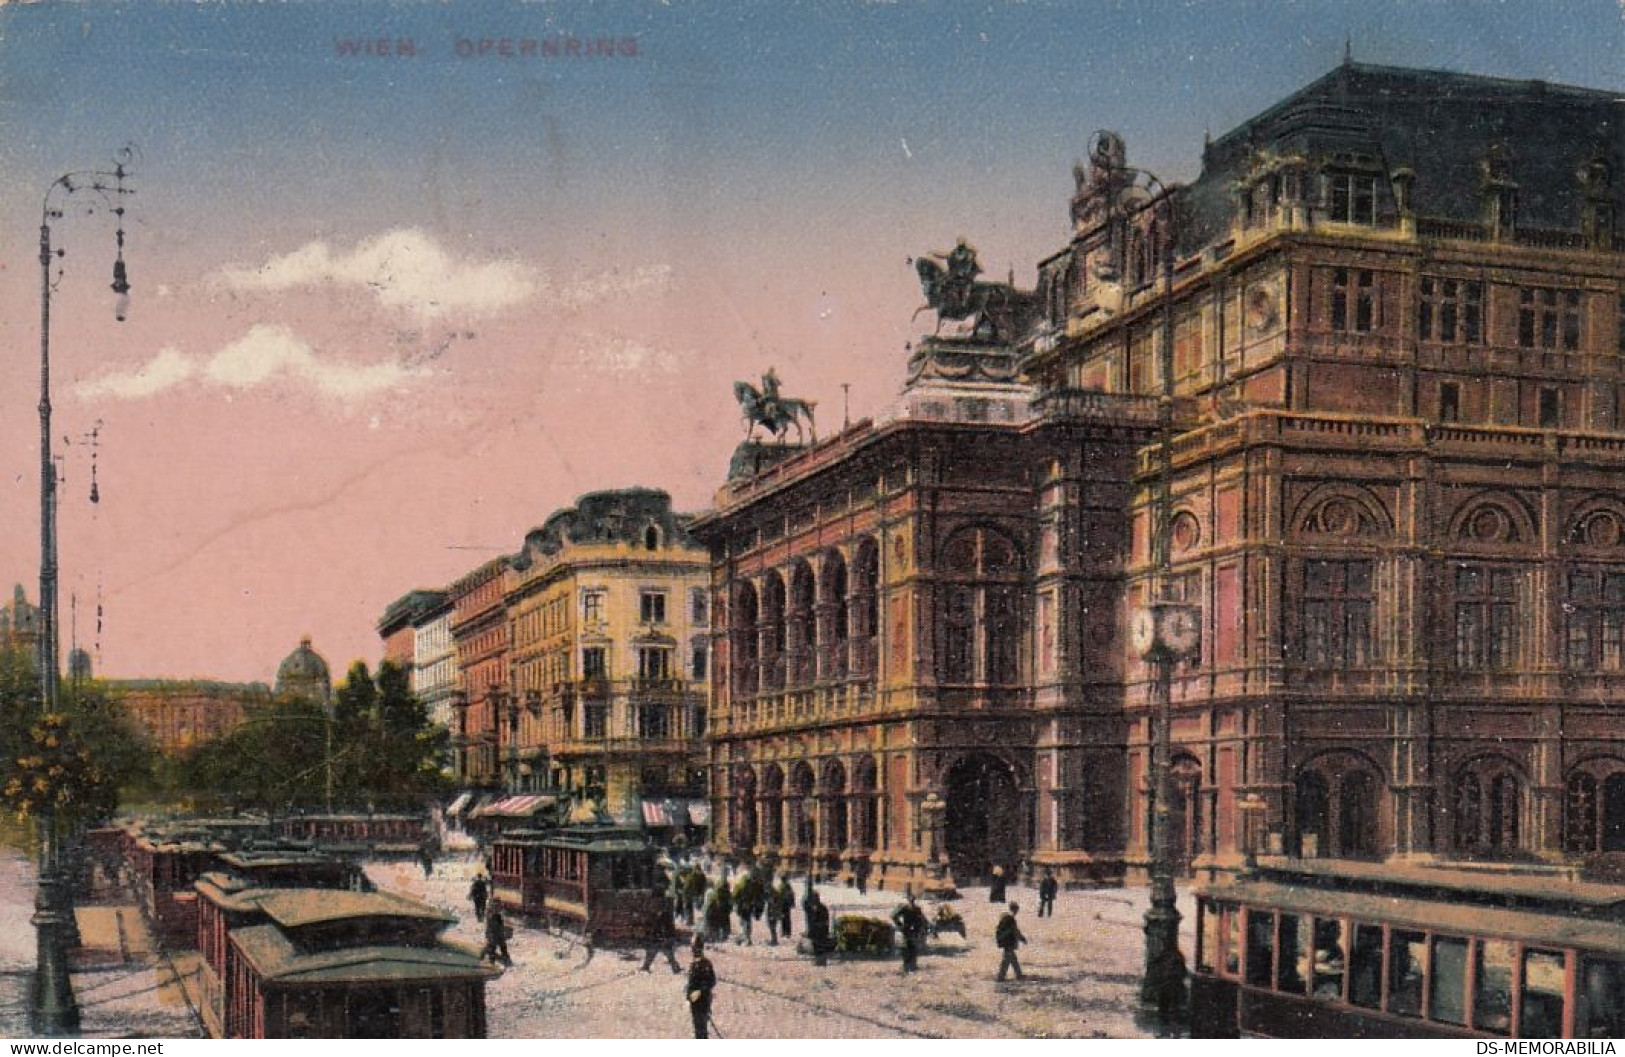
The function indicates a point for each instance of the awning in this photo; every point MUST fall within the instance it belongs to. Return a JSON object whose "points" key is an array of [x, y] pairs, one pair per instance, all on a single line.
{"points": [[672, 812], [457, 805], [516, 806]]}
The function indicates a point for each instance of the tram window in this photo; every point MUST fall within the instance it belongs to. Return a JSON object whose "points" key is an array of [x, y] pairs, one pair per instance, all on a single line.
{"points": [[1232, 941], [1292, 965], [1447, 983], [1207, 933], [1260, 946], [1406, 954], [1492, 997], [1540, 1015], [1602, 995], [1365, 967], [1330, 958]]}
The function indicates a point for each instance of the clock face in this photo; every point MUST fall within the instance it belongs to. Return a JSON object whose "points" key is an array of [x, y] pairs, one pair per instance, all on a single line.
{"points": [[1143, 631], [1184, 629]]}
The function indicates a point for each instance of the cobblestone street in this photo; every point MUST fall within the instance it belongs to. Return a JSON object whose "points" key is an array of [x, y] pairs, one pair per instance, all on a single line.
{"points": [[1082, 975]]}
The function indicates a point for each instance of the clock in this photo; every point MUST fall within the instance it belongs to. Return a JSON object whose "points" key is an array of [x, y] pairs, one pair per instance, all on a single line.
{"points": [[1166, 630]]}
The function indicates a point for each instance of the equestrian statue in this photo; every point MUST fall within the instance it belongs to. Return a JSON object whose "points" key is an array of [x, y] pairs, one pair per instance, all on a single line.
{"points": [[775, 413], [988, 310]]}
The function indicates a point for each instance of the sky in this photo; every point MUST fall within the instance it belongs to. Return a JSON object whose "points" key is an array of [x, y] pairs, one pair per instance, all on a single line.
{"points": [[407, 277]]}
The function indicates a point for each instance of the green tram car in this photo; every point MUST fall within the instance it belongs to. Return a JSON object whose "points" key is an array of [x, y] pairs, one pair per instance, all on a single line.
{"points": [[1339, 949], [599, 881]]}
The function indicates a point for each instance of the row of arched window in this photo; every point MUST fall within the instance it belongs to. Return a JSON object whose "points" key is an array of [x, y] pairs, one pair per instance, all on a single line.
{"points": [[820, 626], [836, 810]]}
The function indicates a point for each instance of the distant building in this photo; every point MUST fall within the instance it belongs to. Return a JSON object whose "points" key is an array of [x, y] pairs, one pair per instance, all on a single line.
{"points": [[434, 660], [397, 627], [19, 622], [178, 714], [304, 674], [479, 631]]}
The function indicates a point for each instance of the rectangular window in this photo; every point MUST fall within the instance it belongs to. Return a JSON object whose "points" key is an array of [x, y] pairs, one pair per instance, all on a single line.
{"points": [[593, 663], [1407, 954], [1335, 614], [1550, 409], [1601, 993], [1492, 990], [1260, 947], [654, 721], [1292, 963], [1208, 936], [654, 663], [1232, 941], [652, 607], [1540, 1012], [1450, 311], [1353, 299], [1449, 402], [596, 718], [1365, 967], [1548, 318], [1352, 198], [592, 607], [1330, 959], [1595, 612], [1486, 617], [1447, 981], [699, 660], [699, 606]]}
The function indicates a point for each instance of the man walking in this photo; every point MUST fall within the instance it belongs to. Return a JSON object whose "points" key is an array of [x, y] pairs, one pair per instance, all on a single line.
{"points": [[496, 937], [784, 903], [1007, 934], [911, 923], [817, 927], [478, 893], [1046, 894], [702, 980], [995, 891], [662, 938]]}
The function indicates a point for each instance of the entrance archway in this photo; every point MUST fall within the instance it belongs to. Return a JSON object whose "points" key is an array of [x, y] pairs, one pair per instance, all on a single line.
{"points": [[984, 822]]}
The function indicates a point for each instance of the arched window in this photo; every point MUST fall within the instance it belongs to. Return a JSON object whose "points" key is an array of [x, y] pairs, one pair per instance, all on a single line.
{"points": [[1488, 809], [1336, 800], [775, 634], [980, 610], [833, 639], [773, 806], [866, 609], [746, 642], [802, 625], [651, 538]]}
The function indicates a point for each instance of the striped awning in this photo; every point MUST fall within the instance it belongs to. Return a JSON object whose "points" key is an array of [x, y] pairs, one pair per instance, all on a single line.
{"points": [[522, 806], [671, 812]]}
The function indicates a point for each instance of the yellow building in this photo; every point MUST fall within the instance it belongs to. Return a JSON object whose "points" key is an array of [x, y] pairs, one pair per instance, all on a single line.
{"points": [[609, 628]]}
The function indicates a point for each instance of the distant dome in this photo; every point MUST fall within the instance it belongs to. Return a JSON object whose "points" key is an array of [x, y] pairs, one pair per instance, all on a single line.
{"points": [[79, 667], [303, 673]]}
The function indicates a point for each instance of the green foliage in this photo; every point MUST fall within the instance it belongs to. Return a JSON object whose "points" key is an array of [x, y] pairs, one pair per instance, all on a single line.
{"points": [[385, 753]]}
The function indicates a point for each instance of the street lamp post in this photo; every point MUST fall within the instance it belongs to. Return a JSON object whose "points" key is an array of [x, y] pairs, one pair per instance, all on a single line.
{"points": [[1165, 631], [53, 1009]]}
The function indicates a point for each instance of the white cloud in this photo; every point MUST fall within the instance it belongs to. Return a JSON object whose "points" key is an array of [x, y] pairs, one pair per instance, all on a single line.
{"points": [[404, 269], [623, 356], [612, 284], [166, 370], [265, 354]]}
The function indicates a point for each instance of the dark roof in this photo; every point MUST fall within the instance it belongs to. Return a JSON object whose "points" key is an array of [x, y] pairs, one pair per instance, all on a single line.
{"points": [[1440, 125], [618, 516], [271, 953], [294, 908], [408, 609]]}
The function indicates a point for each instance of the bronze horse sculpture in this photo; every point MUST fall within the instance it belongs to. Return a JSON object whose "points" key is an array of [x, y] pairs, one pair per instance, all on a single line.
{"points": [[952, 289], [774, 412]]}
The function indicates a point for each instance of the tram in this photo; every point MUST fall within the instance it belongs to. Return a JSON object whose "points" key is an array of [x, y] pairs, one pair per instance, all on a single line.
{"points": [[1338, 949], [599, 881], [374, 836]]}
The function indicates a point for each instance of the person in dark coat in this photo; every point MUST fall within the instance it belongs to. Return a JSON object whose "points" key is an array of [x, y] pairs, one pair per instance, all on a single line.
{"points": [[694, 886], [911, 924], [426, 860], [496, 937], [1007, 934], [817, 927], [662, 938], [718, 912], [860, 876], [1046, 894], [702, 980], [478, 893], [784, 903], [995, 894]]}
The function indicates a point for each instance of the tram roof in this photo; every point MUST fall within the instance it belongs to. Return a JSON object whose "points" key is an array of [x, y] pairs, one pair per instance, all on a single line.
{"points": [[1556, 930], [276, 958], [1480, 882]]}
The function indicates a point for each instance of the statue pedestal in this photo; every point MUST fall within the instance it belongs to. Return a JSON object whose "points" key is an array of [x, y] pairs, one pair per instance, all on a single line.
{"points": [[754, 456]]}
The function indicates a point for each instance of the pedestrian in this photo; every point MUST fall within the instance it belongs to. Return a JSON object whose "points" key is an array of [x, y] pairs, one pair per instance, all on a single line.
{"points": [[478, 893], [995, 894], [702, 980], [662, 938], [748, 902], [694, 889], [784, 903], [1007, 934], [911, 923], [426, 860], [719, 913], [860, 876], [496, 937], [817, 927], [1046, 894]]}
